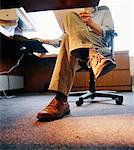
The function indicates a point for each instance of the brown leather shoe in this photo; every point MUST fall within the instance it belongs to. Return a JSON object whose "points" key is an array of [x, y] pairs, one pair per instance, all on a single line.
{"points": [[55, 110], [100, 64]]}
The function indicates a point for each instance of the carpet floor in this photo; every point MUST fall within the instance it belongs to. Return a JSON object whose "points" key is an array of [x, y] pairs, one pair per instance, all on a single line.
{"points": [[98, 125]]}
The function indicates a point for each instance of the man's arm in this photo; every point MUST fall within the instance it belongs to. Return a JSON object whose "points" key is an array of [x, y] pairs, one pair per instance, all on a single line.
{"points": [[87, 19], [95, 27], [108, 23], [55, 42]]}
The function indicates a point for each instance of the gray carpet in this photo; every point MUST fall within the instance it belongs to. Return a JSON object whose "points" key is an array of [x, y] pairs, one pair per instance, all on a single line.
{"points": [[100, 125]]}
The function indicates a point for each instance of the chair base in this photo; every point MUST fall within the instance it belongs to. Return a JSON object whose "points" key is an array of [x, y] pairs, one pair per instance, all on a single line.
{"points": [[118, 98]]}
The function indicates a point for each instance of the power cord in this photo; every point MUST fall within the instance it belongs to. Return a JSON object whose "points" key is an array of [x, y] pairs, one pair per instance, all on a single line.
{"points": [[17, 64], [7, 72]]}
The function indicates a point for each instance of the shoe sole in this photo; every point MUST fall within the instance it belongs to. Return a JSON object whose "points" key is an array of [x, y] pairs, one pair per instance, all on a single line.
{"points": [[107, 68], [52, 119]]}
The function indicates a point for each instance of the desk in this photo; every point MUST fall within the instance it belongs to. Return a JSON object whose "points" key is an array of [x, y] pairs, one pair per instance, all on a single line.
{"points": [[38, 75], [38, 72]]}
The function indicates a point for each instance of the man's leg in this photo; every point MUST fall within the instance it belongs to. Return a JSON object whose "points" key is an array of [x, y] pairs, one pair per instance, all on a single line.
{"points": [[61, 83], [64, 71], [81, 39]]}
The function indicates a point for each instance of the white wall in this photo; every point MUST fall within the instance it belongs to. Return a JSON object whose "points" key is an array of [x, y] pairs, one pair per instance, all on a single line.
{"points": [[123, 14]]}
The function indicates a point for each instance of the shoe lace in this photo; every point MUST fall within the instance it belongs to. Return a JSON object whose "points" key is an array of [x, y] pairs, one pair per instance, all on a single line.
{"points": [[98, 57], [53, 104]]}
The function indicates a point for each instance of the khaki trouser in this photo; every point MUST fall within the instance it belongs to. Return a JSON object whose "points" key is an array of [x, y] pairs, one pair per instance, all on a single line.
{"points": [[77, 38]]}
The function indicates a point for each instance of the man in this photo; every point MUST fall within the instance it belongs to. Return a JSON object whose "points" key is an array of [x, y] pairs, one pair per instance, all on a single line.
{"points": [[84, 34]]}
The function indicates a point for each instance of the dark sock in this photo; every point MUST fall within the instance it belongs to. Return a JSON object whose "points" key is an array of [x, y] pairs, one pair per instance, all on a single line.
{"points": [[60, 96]]}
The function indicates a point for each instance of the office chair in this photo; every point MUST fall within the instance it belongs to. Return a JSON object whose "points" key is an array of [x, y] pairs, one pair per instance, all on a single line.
{"points": [[92, 93]]}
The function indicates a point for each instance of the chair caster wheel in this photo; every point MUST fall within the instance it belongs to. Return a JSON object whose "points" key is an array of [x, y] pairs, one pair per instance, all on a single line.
{"points": [[92, 97], [79, 102], [119, 100]]}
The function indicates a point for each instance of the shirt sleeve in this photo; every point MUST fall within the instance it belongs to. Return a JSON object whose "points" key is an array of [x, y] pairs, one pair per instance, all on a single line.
{"points": [[107, 23]]}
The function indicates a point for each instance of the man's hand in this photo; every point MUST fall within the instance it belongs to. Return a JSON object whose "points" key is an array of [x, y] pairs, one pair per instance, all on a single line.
{"points": [[86, 17], [45, 41]]}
